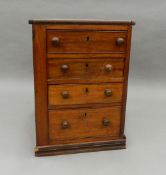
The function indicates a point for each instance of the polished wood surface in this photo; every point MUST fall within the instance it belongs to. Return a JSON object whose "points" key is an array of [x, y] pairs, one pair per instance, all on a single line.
{"points": [[39, 60], [84, 94], [85, 42], [92, 145], [81, 76], [80, 21], [83, 123], [85, 70]]}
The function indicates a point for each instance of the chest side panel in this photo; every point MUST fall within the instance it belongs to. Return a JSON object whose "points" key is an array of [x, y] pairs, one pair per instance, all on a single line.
{"points": [[40, 77]]}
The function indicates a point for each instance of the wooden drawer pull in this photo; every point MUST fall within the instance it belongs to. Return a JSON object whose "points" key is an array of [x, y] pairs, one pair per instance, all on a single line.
{"points": [[64, 67], [106, 122], [55, 41], [108, 67], [65, 94], [108, 92], [120, 41], [65, 124]]}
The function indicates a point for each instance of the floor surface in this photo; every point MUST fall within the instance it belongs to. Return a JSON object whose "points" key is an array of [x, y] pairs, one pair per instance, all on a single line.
{"points": [[145, 131]]}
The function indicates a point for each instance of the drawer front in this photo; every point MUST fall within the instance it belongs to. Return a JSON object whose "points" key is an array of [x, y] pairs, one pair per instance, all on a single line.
{"points": [[87, 70], [75, 124], [84, 94], [86, 42]]}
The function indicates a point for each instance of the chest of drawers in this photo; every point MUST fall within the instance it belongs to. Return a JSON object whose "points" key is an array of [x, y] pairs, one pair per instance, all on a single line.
{"points": [[81, 73]]}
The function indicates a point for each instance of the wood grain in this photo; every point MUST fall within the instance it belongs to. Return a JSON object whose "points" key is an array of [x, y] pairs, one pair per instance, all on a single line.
{"points": [[83, 123], [83, 108], [77, 42], [113, 55], [80, 21], [126, 72], [49, 150], [39, 60], [78, 94], [84, 70], [86, 27]]}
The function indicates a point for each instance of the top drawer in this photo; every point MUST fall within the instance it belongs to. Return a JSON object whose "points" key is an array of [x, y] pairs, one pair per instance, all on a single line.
{"points": [[61, 41]]}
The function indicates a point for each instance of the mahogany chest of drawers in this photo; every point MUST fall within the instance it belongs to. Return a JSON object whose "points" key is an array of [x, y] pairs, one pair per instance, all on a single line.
{"points": [[81, 73]]}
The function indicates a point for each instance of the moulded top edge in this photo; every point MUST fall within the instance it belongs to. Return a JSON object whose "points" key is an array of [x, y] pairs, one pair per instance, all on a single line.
{"points": [[81, 21]]}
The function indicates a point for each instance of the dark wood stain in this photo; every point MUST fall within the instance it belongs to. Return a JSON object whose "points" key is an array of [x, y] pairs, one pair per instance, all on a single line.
{"points": [[83, 22], [80, 77]]}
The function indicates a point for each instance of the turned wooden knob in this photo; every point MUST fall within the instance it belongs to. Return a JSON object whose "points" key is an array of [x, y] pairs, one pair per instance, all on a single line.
{"points": [[65, 124], [55, 41], [64, 67], [120, 41], [106, 122], [108, 92], [65, 94], [108, 67]]}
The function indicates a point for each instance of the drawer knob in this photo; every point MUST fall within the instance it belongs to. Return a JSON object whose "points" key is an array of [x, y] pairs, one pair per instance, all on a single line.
{"points": [[55, 41], [108, 67], [108, 92], [106, 122], [65, 124], [120, 41], [65, 94], [64, 67]]}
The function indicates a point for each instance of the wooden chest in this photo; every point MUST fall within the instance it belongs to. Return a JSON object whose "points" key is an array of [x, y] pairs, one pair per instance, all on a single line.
{"points": [[81, 73]]}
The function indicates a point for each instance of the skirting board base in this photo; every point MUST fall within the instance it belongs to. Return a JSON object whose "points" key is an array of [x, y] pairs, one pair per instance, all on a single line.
{"points": [[51, 150]]}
